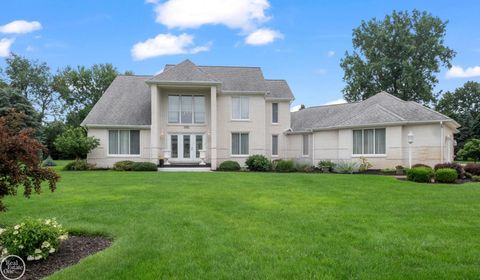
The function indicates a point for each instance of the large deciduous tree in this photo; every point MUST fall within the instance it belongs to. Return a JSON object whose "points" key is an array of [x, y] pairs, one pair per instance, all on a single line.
{"points": [[400, 54], [82, 87], [20, 160], [34, 81], [463, 105]]}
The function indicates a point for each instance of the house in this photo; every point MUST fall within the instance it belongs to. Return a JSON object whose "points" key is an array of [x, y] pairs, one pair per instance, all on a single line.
{"points": [[209, 114]]}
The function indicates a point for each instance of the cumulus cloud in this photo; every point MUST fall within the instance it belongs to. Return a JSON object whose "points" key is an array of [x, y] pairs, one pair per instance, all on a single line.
{"points": [[295, 108], [263, 36], [20, 27], [336, 101], [459, 72], [166, 44], [235, 14], [5, 45]]}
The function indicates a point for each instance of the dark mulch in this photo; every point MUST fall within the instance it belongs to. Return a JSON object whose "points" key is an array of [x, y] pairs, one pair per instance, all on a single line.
{"points": [[70, 252]]}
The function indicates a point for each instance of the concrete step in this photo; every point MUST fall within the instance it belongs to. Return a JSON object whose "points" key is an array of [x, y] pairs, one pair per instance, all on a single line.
{"points": [[184, 169]]}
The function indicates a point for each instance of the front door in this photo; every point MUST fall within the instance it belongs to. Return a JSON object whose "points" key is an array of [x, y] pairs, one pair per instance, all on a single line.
{"points": [[186, 147]]}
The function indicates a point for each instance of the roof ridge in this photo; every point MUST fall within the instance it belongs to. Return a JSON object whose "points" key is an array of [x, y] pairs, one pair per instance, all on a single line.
{"points": [[135, 75], [331, 105], [390, 112], [430, 109], [278, 80]]}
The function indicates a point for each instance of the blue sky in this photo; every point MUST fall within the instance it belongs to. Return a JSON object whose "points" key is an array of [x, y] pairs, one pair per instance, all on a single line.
{"points": [[300, 41]]}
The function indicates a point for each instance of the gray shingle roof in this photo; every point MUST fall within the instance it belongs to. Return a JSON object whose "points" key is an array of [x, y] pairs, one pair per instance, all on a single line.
{"points": [[278, 89], [127, 99], [381, 108], [233, 78], [185, 71], [125, 102]]}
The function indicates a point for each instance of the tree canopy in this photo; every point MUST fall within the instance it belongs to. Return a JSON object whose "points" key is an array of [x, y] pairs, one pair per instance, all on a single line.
{"points": [[400, 54], [75, 142], [463, 105], [20, 159], [12, 99]]}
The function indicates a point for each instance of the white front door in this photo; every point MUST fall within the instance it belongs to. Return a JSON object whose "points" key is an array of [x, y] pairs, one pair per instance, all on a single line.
{"points": [[186, 147]]}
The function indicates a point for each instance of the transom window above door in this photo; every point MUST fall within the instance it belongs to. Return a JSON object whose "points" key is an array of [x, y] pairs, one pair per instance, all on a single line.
{"points": [[186, 109]]}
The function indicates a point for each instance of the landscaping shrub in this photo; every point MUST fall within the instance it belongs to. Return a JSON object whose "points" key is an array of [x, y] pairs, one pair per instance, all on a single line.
{"points": [[33, 239], [258, 163], [446, 175], [399, 170], [420, 174], [284, 166], [388, 171], [472, 168], [144, 166], [453, 165], [124, 165], [326, 165], [364, 164], [476, 178], [348, 167], [303, 167], [78, 165], [229, 165], [48, 162], [421, 165]]}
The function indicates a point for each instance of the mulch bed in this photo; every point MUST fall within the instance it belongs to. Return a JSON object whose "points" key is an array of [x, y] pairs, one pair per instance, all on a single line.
{"points": [[70, 252]]}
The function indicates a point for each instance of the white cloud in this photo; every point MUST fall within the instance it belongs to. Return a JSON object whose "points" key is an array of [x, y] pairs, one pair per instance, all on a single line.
{"points": [[235, 14], [263, 36], [459, 72], [20, 27], [337, 101], [330, 53], [5, 45], [166, 44]]}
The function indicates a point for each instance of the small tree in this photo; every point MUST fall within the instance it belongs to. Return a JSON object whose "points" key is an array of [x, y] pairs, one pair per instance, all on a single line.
{"points": [[471, 150], [20, 160], [75, 142]]}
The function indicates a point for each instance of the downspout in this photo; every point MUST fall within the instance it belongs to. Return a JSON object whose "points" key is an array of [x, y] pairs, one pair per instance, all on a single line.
{"points": [[441, 142], [313, 148]]}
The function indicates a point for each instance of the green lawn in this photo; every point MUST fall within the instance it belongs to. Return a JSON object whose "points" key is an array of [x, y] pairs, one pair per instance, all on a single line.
{"points": [[264, 226]]}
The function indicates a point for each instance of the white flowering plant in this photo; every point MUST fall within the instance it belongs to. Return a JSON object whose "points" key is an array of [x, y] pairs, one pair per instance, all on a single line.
{"points": [[32, 239]]}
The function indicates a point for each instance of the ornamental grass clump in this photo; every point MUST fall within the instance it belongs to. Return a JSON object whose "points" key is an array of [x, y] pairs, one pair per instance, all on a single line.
{"points": [[32, 239]]}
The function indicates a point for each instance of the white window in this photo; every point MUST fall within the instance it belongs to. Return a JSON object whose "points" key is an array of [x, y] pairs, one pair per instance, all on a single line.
{"points": [[239, 143], [124, 142], [369, 141], [305, 145], [274, 145], [186, 109], [274, 112], [240, 110]]}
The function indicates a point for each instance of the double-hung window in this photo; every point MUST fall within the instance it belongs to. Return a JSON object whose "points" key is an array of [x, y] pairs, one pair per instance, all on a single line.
{"points": [[240, 108], [369, 141], [186, 109], [274, 145], [239, 143], [274, 112], [305, 147], [124, 142]]}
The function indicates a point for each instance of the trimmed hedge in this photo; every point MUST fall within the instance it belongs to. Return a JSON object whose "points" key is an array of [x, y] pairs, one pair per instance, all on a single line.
{"points": [[421, 165], [144, 166], [473, 168], [229, 165], [446, 175], [258, 163], [124, 165], [452, 165], [78, 165], [285, 166], [420, 174]]}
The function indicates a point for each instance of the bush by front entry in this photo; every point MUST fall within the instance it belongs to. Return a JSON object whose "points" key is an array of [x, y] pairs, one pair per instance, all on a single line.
{"points": [[229, 165], [127, 165]]}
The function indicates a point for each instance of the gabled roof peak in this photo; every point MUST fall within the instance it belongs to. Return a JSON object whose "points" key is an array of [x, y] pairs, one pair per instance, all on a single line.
{"points": [[186, 71]]}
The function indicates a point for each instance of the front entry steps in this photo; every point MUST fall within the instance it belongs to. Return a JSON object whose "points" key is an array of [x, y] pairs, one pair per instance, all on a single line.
{"points": [[185, 167]]}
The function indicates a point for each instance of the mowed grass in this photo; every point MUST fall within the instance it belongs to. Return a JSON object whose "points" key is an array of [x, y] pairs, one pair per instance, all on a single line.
{"points": [[264, 225]]}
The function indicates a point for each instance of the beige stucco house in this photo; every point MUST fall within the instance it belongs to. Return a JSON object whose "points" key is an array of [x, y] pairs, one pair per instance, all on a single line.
{"points": [[191, 114]]}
